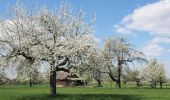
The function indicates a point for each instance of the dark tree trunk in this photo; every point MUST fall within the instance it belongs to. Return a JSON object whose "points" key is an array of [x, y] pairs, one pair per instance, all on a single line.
{"points": [[99, 83], [137, 83], [53, 83], [155, 85], [30, 82], [113, 79], [161, 85], [160, 81], [119, 75]]}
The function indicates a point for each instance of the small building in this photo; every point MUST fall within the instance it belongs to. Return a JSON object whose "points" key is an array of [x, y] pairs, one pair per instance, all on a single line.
{"points": [[67, 79]]}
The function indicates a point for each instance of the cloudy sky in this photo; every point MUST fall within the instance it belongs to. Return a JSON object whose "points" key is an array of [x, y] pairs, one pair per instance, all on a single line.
{"points": [[146, 23]]}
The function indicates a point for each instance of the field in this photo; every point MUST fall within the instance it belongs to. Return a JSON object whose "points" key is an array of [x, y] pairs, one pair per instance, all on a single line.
{"points": [[81, 93]]}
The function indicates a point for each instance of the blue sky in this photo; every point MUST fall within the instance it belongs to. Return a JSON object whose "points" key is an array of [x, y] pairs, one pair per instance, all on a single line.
{"points": [[108, 12], [144, 22]]}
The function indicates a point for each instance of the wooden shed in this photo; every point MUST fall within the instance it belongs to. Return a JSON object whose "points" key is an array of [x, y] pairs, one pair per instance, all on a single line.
{"points": [[67, 79]]}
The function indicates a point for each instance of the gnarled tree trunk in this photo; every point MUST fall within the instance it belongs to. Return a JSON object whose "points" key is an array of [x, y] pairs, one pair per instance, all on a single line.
{"points": [[113, 79], [52, 79], [53, 83]]}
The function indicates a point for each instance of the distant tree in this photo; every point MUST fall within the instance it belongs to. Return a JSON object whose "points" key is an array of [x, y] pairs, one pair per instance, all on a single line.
{"points": [[27, 71], [96, 66], [126, 77], [133, 76], [118, 53], [154, 73], [3, 76], [91, 64]]}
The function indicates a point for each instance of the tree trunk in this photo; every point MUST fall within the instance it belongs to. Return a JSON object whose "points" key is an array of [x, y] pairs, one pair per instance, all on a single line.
{"points": [[160, 81], [137, 83], [113, 79], [124, 82], [99, 83], [53, 83], [161, 85], [119, 75], [155, 85], [30, 82]]}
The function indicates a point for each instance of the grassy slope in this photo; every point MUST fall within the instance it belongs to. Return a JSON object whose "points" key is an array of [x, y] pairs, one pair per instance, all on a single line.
{"points": [[41, 93]]}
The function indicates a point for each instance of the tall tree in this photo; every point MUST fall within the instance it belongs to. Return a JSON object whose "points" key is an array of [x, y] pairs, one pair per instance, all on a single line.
{"points": [[118, 53], [58, 37], [16, 37], [66, 36]]}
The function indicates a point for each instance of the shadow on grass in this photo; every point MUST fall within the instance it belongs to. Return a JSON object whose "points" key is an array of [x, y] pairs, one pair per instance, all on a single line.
{"points": [[81, 97]]}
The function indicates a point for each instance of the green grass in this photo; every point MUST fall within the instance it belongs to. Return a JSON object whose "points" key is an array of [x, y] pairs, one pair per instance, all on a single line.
{"points": [[80, 93]]}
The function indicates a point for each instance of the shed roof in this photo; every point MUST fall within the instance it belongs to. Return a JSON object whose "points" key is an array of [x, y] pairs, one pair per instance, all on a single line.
{"points": [[62, 75]]}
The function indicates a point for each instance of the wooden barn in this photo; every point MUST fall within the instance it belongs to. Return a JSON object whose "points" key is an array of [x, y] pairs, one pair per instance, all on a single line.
{"points": [[67, 79]]}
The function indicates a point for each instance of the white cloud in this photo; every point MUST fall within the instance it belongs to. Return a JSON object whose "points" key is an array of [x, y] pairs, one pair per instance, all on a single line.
{"points": [[152, 18], [161, 40], [153, 50], [122, 30]]}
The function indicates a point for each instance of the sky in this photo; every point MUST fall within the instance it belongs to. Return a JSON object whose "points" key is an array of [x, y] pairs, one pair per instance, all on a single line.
{"points": [[145, 23]]}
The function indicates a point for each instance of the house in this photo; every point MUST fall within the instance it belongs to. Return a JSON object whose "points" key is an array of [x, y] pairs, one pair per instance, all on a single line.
{"points": [[67, 79]]}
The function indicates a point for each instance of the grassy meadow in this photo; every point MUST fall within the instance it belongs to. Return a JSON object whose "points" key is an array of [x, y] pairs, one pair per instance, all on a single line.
{"points": [[41, 92]]}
